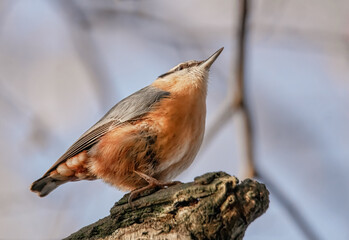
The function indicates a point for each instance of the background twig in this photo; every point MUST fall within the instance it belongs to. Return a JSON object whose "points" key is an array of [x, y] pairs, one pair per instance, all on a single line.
{"points": [[240, 96], [237, 103]]}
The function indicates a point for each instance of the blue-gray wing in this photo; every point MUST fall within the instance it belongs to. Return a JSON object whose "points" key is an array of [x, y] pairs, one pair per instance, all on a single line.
{"points": [[130, 108]]}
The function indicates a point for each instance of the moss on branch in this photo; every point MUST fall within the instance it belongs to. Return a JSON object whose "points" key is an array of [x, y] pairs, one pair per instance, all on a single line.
{"points": [[213, 206]]}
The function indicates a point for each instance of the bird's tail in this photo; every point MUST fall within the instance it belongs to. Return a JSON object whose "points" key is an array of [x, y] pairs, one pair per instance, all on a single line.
{"points": [[45, 185]]}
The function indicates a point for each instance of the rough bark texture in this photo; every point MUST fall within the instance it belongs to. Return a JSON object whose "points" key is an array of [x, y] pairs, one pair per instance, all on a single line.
{"points": [[214, 206]]}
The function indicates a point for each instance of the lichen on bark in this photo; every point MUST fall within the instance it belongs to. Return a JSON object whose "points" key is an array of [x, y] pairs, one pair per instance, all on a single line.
{"points": [[213, 206]]}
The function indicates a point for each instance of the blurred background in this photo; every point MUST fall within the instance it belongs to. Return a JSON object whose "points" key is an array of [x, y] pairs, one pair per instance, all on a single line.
{"points": [[63, 64]]}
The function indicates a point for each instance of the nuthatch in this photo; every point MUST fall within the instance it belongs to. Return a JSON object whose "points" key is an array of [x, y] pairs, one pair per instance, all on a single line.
{"points": [[145, 140]]}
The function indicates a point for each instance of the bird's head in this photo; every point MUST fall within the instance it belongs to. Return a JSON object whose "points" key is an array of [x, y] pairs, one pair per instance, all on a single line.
{"points": [[190, 73]]}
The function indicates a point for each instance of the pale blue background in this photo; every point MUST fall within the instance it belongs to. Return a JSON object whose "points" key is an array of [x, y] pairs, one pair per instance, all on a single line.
{"points": [[298, 89]]}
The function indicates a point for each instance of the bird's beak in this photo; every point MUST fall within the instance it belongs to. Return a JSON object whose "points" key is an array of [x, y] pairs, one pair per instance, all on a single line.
{"points": [[206, 64]]}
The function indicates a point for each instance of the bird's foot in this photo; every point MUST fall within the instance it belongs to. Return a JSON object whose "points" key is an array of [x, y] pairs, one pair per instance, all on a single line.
{"points": [[152, 184]]}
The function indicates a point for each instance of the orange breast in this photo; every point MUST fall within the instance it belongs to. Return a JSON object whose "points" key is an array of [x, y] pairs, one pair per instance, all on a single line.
{"points": [[161, 145], [182, 124]]}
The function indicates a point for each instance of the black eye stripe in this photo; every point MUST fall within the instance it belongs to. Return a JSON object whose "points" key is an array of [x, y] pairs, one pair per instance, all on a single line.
{"points": [[181, 67], [187, 65]]}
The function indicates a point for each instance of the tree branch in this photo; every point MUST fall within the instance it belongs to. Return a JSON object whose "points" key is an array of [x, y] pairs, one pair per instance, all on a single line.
{"points": [[214, 206]]}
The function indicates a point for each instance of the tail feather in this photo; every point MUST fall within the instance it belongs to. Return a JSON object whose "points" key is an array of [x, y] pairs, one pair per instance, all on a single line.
{"points": [[45, 185]]}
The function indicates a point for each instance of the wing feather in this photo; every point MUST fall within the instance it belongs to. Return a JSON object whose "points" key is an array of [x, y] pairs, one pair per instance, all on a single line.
{"points": [[128, 109]]}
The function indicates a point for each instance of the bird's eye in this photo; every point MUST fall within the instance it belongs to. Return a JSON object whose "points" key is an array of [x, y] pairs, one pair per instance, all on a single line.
{"points": [[180, 68]]}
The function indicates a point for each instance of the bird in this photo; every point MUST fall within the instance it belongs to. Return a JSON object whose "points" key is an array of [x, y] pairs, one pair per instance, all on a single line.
{"points": [[145, 140]]}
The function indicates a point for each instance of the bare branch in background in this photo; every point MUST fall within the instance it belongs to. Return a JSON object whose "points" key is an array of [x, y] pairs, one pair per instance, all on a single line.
{"points": [[80, 28], [240, 95], [237, 103]]}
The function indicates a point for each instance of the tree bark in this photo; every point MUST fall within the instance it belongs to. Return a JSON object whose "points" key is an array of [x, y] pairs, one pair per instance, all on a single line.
{"points": [[214, 206]]}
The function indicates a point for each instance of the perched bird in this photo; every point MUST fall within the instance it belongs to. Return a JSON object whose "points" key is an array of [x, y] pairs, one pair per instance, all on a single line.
{"points": [[145, 140]]}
